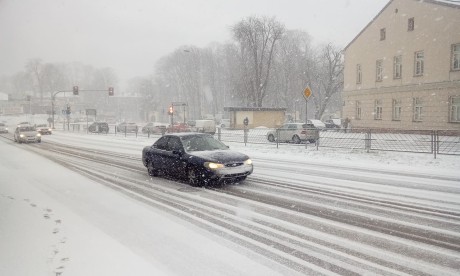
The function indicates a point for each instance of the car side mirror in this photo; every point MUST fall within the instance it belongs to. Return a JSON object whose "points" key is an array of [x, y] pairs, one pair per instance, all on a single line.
{"points": [[177, 152]]}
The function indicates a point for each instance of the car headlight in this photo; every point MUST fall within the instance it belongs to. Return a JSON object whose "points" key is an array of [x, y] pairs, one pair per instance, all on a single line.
{"points": [[248, 162], [213, 166], [38, 135], [21, 135], [49, 129]]}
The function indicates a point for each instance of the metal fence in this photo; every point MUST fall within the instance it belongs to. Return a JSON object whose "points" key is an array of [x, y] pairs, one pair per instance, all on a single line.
{"points": [[419, 141]]}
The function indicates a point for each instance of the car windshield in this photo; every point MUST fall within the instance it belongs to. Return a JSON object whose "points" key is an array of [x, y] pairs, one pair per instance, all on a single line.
{"points": [[202, 143], [27, 128]]}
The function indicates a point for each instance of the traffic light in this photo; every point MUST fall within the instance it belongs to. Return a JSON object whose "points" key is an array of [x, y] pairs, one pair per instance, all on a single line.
{"points": [[110, 91], [68, 110], [170, 110], [75, 90]]}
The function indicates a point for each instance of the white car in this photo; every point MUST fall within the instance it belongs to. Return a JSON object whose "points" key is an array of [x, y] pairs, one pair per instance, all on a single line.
{"points": [[317, 123], [294, 132], [26, 134]]}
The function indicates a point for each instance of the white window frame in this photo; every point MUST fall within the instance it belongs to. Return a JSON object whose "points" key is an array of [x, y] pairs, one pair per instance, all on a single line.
{"points": [[359, 74], [378, 109], [454, 105], [455, 57], [396, 110], [358, 110], [397, 67], [419, 63], [418, 109], [379, 70]]}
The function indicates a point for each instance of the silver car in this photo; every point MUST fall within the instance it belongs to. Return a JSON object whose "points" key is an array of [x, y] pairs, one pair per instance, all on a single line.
{"points": [[27, 134], [294, 132]]}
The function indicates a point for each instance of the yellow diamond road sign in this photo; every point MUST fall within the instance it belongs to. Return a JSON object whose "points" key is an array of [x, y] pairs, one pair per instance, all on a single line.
{"points": [[307, 92]]}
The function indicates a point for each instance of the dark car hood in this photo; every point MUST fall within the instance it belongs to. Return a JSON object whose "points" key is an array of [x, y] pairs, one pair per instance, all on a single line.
{"points": [[220, 156]]}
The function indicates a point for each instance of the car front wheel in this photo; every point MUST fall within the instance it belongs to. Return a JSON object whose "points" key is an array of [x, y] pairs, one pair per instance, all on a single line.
{"points": [[151, 169], [271, 138], [193, 177]]}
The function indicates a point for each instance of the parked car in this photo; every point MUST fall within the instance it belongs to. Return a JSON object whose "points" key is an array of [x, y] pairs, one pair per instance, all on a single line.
{"points": [[26, 134], [44, 129], [3, 128], [154, 127], [203, 126], [127, 127], [295, 133], [333, 124], [224, 123], [196, 157], [178, 127], [99, 127], [317, 123]]}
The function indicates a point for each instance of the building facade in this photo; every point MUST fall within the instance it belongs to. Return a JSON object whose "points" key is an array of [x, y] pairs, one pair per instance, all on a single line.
{"points": [[403, 70]]}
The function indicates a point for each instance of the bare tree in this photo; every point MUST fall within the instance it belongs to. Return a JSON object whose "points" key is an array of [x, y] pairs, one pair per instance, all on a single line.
{"points": [[329, 79], [35, 68], [257, 37]]}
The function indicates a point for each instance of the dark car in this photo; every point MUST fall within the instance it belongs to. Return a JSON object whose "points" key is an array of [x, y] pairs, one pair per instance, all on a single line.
{"points": [[196, 157], [44, 129], [99, 127]]}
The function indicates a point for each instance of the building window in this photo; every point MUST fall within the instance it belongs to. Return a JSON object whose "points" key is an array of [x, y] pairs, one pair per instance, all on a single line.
{"points": [[454, 109], [378, 110], [418, 109], [410, 24], [358, 110], [456, 56], [396, 110], [379, 70], [358, 73], [419, 63], [397, 67], [383, 34]]}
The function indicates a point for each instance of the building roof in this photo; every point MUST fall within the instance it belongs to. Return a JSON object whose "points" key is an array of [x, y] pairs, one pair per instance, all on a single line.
{"points": [[448, 3]]}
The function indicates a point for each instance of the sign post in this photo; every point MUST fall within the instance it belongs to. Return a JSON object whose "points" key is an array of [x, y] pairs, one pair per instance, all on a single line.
{"points": [[306, 94]]}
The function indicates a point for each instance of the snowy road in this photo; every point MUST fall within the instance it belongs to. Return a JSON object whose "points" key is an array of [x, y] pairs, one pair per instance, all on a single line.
{"points": [[308, 217]]}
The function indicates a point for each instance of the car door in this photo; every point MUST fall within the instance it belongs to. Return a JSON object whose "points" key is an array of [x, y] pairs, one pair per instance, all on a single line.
{"points": [[283, 133], [173, 157]]}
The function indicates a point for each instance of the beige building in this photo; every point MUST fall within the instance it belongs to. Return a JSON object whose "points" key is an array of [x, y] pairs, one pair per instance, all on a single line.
{"points": [[403, 70]]}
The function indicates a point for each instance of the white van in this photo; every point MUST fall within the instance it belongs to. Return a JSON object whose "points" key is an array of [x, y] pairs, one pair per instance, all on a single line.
{"points": [[204, 126]]}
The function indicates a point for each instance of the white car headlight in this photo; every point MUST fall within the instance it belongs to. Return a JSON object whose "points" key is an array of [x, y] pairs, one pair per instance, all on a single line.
{"points": [[248, 162], [213, 166], [38, 135], [21, 135]]}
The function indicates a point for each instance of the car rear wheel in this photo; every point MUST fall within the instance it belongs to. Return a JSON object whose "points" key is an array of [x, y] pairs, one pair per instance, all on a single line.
{"points": [[151, 169], [312, 141], [271, 138], [296, 139]]}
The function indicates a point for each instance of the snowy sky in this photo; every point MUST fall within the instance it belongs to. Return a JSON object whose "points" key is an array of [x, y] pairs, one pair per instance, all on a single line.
{"points": [[130, 36]]}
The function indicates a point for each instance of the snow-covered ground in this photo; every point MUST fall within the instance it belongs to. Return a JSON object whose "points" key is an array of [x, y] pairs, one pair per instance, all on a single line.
{"points": [[53, 220]]}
